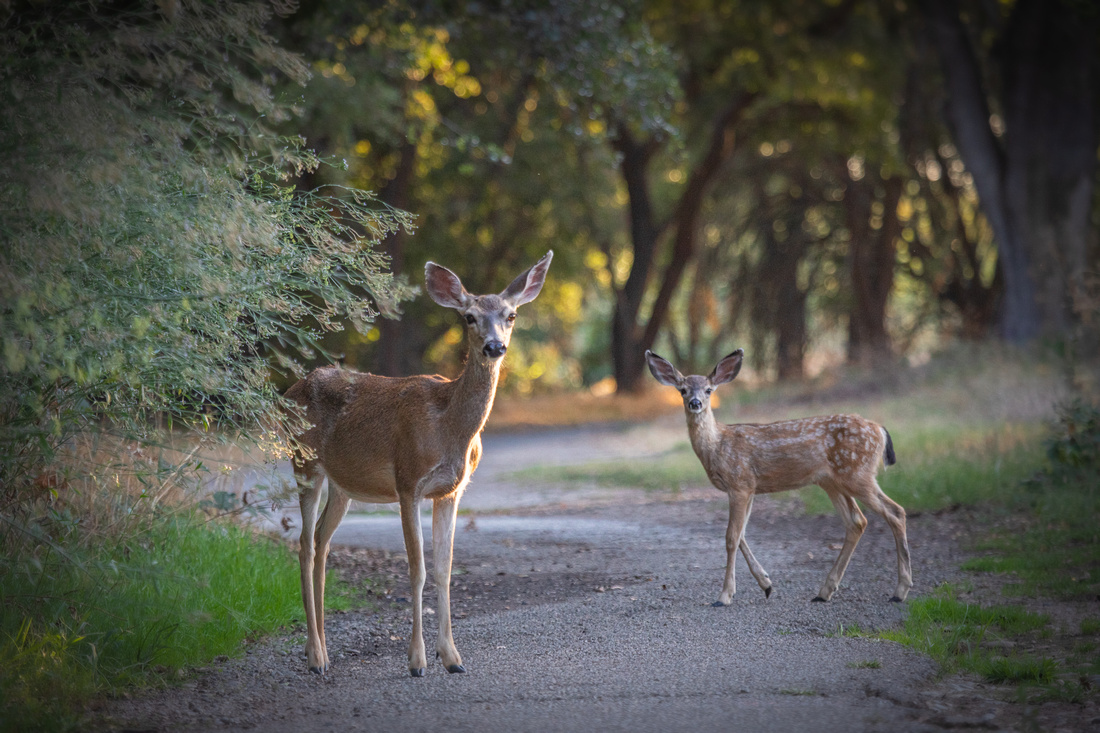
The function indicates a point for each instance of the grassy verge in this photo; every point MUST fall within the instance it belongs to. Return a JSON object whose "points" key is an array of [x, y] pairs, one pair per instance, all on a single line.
{"points": [[79, 619], [1003, 644]]}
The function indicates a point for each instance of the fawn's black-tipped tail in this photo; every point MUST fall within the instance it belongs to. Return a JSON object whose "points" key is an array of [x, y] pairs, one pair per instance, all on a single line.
{"points": [[888, 455]]}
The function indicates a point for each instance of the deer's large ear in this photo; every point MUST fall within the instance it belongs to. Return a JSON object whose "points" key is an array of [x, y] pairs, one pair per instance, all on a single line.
{"points": [[663, 371], [528, 285], [445, 287], [727, 369]]}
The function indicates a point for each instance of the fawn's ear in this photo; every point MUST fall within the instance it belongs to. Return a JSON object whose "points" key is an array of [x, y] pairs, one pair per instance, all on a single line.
{"points": [[445, 287], [663, 371], [727, 369], [528, 285]]}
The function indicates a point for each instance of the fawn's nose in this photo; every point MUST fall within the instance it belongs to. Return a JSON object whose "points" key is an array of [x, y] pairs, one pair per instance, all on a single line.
{"points": [[695, 403], [494, 349]]}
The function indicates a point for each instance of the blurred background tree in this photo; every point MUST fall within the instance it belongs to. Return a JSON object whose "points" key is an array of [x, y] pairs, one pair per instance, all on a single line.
{"points": [[793, 176]]}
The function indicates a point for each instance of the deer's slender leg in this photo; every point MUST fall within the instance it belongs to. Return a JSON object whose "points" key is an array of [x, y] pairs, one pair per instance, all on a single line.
{"points": [[755, 568], [894, 515], [444, 514], [335, 509], [414, 548], [740, 503], [309, 487], [854, 524]]}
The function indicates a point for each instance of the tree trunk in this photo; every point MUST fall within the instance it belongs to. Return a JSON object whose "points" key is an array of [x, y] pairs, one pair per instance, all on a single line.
{"points": [[1036, 192], [1050, 68], [399, 346], [871, 255]]}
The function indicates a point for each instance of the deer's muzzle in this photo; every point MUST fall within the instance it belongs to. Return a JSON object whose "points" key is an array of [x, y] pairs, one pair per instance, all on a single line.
{"points": [[494, 349]]}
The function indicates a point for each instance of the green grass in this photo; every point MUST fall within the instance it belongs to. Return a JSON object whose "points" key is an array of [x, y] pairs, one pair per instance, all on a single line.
{"points": [[677, 467], [865, 664], [992, 642], [78, 621]]}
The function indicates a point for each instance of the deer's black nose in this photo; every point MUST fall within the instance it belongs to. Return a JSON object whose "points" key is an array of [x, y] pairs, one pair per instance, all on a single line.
{"points": [[695, 404], [494, 349]]}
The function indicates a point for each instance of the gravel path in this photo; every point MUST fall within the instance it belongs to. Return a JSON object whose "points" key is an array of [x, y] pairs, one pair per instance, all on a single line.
{"points": [[590, 610]]}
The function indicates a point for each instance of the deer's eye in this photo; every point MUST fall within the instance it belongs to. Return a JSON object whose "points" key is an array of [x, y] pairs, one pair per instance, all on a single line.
{"points": [[470, 319], [683, 390], [512, 318], [709, 391]]}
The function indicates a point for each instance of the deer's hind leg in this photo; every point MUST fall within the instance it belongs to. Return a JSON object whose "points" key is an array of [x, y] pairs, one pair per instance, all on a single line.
{"points": [[310, 478], [854, 524], [894, 514], [335, 509]]}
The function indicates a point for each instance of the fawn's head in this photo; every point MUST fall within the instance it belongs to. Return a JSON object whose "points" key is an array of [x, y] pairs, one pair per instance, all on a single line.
{"points": [[489, 318], [695, 389]]}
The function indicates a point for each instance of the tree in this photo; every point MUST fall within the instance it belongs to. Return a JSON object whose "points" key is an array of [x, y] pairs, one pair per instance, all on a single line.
{"points": [[156, 265], [1022, 107]]}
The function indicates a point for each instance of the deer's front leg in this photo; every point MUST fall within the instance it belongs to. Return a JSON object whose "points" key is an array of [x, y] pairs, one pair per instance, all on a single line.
{"points": [[414, 548], [755, 567], [735, 532], [444, 512]]}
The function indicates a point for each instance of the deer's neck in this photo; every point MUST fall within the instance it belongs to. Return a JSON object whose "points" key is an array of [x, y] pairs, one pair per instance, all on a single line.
{"points": [[472, 398], [704, 431]]}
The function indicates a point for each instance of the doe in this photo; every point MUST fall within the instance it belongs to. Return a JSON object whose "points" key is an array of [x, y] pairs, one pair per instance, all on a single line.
{"points": [[839, 453], [406, 439]]}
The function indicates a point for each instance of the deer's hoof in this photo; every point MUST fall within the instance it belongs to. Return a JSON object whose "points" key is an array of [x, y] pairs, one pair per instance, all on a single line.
{"points": [[418, 672], [317, 670], [895, 599], [456, 669], [767, 593], [817, 599], [719, 604]]}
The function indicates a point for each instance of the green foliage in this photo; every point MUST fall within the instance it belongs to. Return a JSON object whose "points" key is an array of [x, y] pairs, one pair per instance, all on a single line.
{"points": [[153, 260], [1059, 553], [78, 618], [155, 265]]}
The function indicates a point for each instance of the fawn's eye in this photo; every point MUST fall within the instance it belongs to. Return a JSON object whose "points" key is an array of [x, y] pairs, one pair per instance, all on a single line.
{"points": [[512, 318], [683, 390], [709, 391], [470, 319]]}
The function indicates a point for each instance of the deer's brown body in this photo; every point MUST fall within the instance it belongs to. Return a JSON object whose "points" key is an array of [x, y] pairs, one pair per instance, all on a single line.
{"points": [[405, 439], [839, 453]]}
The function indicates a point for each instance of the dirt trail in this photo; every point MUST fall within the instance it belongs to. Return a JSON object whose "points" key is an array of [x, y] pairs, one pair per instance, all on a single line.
{"points": [[590, 609]]}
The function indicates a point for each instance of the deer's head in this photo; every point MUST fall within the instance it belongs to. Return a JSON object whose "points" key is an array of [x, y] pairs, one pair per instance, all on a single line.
{"points": [[489, 318], [695, 389]]}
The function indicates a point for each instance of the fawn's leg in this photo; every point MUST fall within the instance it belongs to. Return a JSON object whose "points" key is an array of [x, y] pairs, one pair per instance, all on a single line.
{"points": [[854, 524], [735, 532]]}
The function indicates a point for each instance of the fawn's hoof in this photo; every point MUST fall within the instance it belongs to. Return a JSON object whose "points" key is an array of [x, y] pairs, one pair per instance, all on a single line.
{"points": [[456, 669], [817, 599], [317, 670], [895, 599], [418, 672], [767, 593], [719, 604]]}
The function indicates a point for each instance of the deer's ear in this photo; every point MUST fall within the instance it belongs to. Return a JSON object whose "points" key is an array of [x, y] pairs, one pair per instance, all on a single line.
{"points": [[528, 285], [663, 371], [727, 369], [444, 287]]}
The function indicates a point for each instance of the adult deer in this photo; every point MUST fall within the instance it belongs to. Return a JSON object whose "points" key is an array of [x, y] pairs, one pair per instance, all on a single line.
{"points": [[839, 453], [406, 439]]}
